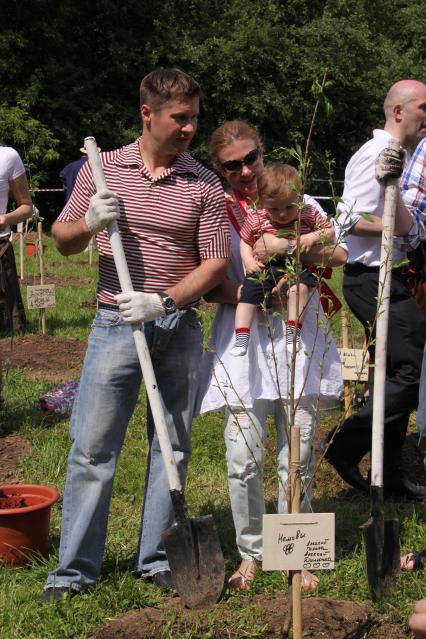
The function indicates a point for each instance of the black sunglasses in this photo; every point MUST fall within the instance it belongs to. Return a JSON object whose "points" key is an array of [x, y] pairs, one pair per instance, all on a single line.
{"points": [[237, 165]]}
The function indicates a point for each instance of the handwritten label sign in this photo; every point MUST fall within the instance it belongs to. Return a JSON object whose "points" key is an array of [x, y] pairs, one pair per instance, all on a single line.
{"points": [[41, 296], [298, 541], [354, 364]]}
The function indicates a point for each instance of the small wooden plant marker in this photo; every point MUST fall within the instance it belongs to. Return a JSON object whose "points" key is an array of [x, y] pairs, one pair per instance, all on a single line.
{"points": [[298, 541], [354, 365], [41, 296]]}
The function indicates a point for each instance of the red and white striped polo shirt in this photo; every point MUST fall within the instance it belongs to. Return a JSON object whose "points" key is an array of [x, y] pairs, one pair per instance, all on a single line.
{"points": [[312, 218], [167, 225]]}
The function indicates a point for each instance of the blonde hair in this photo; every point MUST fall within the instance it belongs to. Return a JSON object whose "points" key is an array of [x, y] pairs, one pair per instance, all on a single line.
{"points": [[278, 181], [229, 132]]}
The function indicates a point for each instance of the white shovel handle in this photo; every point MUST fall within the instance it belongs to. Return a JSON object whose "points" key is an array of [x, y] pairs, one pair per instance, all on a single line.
{"points": [[382, 321], [138, 334]]}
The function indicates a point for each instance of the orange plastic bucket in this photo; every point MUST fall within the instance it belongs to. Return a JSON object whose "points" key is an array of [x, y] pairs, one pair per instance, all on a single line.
{"points": [[31, 248], [24, 521]]}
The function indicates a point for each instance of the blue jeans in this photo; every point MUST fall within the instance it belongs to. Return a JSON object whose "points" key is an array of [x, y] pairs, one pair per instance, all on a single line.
{"points": [[421, 410], [108, 393]]}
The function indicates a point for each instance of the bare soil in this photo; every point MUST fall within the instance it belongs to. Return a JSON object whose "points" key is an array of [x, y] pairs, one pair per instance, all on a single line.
{"points": [[12, 448], [322, 618], [12, 500], [43, 356], [51, 278]]}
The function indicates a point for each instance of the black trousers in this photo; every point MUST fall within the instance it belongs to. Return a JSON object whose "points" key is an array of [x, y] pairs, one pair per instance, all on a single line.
{"points": [[406, 340], [12, 313]]}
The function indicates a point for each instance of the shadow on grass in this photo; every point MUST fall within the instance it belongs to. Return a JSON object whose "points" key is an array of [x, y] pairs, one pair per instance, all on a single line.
{"points": [[13, 419]]}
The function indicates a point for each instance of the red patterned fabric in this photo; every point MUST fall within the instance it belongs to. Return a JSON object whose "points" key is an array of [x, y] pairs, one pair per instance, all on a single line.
{"points": [[168, 225]]}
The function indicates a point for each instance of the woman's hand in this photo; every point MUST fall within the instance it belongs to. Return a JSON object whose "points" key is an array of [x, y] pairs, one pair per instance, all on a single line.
{"points": [[269, 245]]}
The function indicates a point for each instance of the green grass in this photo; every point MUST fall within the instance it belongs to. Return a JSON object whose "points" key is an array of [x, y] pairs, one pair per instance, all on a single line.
{"points": [[118, 590], [70, 318]]}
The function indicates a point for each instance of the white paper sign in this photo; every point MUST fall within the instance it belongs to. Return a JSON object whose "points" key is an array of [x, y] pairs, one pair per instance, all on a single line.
{"points": [[41, 296], [20, 227], [354, 364], [298, 541]]}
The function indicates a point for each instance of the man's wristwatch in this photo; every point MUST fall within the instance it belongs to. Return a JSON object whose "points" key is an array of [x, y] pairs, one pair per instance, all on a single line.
{"points": [[289, 249], [168, 302]]}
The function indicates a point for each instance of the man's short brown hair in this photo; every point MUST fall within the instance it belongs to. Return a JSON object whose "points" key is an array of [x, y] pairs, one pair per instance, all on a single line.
{"points": [[162, 85], [278, 181]]}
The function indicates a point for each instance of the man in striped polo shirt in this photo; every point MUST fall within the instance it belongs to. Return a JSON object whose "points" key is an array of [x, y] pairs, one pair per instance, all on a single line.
{"points": [[174, 227]]}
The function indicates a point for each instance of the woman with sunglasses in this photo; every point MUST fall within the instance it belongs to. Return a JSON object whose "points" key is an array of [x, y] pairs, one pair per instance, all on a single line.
{"points": [[251, 387]]}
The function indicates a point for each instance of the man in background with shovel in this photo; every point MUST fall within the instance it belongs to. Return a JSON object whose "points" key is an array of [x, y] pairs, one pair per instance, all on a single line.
{"points": [[405, 112], [174, 229]]}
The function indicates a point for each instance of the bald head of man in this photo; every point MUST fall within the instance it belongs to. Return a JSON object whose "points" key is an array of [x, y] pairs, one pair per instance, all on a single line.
{"points": [[405, 111]]}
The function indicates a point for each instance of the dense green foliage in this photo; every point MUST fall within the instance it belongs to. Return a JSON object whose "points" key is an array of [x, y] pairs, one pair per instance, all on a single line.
{"points": [[72, 68]]}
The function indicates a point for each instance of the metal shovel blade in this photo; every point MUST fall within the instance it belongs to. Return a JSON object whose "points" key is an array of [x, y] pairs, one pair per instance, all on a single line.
{"points": [[195, 558], [382, 548]]}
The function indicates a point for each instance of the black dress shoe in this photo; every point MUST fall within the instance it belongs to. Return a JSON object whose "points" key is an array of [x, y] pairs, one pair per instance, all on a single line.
{"points": [[163, 579], [60, 593], [347, 471], [403, 487]]}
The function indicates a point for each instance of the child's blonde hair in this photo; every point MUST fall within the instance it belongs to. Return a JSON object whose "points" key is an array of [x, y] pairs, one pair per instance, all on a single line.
{"points": [[278, 181]]}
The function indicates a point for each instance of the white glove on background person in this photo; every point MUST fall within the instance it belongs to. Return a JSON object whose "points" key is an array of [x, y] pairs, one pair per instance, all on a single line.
{"points": [[389, 164], [103, 209], [140, 307]]}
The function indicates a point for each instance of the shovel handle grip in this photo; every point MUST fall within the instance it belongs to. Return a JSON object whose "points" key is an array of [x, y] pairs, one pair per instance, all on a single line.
{"points": [[382, 322], [138, 334]]}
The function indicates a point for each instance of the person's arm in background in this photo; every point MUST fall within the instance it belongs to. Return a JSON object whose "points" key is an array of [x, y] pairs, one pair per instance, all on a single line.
{"points": [[24, 205]]}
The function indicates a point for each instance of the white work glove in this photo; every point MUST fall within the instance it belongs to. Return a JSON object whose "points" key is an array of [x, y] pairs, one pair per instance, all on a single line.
{"points": [[103, 209], [389, 164], [140, 307]]}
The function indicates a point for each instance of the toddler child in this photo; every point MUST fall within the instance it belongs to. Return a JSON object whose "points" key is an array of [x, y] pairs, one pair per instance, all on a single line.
{"points": [[279, 202]]}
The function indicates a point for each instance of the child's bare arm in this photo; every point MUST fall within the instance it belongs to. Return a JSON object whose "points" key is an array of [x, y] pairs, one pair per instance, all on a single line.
{"points": [[251, 264], [324, 235]]}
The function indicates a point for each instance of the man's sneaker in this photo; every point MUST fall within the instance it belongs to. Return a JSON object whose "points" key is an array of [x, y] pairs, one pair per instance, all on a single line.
{"points": [[58, 593], [164, 579]]}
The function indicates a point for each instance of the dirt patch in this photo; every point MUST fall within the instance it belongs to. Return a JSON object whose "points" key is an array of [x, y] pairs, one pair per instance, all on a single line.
{"points": [[11, 449], [51, 278], [91, 304], [32, 236], [44, 357], [11, 501], [322, 618]]}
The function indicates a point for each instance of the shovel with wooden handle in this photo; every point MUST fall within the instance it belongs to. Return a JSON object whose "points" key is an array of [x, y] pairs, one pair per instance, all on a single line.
{"points": [[192, 545], [382, 536]]}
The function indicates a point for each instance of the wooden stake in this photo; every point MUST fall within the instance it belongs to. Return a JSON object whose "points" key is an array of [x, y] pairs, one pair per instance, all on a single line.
{"points": [[296, 575], [347, 393], [21, 254], [41, 264]]}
